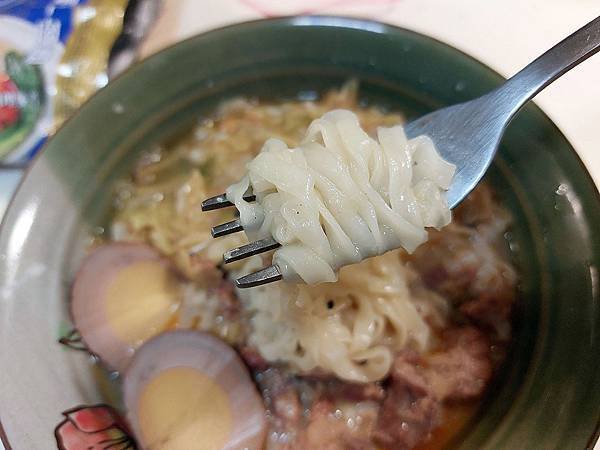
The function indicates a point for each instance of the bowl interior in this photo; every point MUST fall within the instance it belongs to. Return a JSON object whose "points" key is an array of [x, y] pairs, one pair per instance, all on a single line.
{"points": [[548, 393]]}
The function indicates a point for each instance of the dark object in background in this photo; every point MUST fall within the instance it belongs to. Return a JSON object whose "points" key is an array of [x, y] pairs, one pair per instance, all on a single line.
{"points": [[140, 15]]}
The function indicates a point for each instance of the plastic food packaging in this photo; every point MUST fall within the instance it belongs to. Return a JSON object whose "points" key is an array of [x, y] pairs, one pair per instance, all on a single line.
{"points": [[53, 56]]}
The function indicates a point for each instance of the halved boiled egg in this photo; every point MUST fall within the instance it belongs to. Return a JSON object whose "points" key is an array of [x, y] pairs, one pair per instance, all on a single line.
{"points": [[123, 295], [189, 390]]}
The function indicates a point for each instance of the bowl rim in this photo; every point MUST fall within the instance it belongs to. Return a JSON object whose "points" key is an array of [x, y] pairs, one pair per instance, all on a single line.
{"points": [[309, 20]]}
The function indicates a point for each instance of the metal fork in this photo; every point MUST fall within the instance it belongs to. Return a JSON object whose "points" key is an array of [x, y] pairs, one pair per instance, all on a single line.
{"points": [[467, 135]]}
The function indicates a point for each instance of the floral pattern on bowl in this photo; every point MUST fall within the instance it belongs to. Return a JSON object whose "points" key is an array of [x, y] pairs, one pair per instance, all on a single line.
{"points": [[97, 427]]}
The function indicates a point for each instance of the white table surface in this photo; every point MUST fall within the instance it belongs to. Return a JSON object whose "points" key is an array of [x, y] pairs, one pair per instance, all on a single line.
{"points": [[504, 34]]}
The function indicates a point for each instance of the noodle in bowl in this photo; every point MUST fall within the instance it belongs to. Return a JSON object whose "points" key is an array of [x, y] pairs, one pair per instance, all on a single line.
{"points": [[350, 328]]}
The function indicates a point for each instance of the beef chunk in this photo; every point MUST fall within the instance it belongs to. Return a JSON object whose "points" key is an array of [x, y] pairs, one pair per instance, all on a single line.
{"points": [[418, 386], [286, 407], [253, 358], [338, 419], [463, 369], [465, 269], [481, 211], [281, 396], [447, 263], [491, 310], [327, 431], [478, 208], [398, 416], [355, 392], [229, 304], [410, 410]]}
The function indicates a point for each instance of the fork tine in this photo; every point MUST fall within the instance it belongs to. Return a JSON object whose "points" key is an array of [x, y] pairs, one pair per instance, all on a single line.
{"points": [[226, 228], [220, 201], [263, 276], [253, 248]]}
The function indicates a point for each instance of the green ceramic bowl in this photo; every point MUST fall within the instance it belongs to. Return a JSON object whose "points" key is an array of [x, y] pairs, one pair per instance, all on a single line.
{"points": [[548, 395]]}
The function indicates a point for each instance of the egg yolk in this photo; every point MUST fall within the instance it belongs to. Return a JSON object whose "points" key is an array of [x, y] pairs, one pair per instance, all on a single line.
{"points": [[141, 300], [183, 409]]}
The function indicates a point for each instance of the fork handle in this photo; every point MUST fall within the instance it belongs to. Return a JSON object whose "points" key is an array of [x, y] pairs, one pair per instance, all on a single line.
{"points": [[561, 58]]}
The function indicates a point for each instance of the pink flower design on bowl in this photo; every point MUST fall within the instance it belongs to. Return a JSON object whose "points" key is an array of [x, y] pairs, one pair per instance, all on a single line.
{"points": [[96, 427]]}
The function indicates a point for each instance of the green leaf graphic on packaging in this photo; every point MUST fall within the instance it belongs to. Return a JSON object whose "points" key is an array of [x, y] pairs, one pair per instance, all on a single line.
{"points": [[21, 100]]}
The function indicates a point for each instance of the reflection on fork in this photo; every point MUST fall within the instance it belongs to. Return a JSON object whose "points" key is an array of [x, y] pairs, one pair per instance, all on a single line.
{"points": [[264, 276]]}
